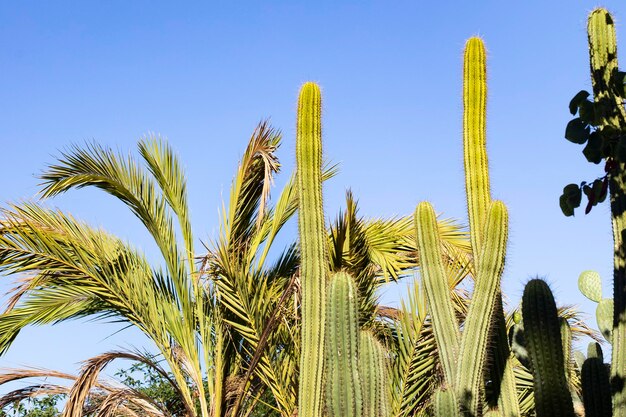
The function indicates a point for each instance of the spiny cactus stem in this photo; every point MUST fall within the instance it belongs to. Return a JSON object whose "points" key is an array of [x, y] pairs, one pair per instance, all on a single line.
{"points": [[603, 58], [344, 395], [480, 318], [566, 342], [375, 377], [502, 367], [543, 338], [312, 247], [445, 325], [474, 139], [617, 187], [445, 403], [595, 384]]}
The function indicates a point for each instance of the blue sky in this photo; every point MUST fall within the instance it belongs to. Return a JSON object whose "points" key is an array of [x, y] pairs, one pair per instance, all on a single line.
{"points": [[204, 74]]}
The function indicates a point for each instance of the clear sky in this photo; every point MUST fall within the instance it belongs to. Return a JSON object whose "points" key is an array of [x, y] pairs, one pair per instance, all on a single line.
{"points": [[203, 74]]}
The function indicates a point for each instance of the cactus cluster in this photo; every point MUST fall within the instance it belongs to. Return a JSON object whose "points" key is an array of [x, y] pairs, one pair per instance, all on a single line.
{"points": [[343, 368], [546, 338], [464, 356]]}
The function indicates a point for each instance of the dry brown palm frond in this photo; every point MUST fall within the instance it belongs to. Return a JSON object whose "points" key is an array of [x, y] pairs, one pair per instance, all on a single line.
{"points": [[127, 402], [90, 372], [127, 399], [10, 374], [31, 391]]}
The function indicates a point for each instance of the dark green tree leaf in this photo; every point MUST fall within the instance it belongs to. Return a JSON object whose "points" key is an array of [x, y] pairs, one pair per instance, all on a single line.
{"points": [[577, 100], [577, 131], [565, 207], [593, 149]]}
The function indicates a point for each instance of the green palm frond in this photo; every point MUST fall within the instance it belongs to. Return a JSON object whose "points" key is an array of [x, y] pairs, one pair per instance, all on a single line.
{"points": [[168, 173], [122, 177], [250, 191], [89, 268]]}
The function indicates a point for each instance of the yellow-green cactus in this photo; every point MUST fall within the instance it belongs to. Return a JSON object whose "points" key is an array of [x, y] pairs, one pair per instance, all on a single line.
{"points": [[312, 234]]}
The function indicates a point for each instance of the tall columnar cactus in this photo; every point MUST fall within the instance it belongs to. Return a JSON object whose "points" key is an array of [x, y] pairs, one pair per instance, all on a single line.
{"points": [[595, 384], [313, 249], [601, 125], [474, 138], [609, 101], [483, 341], [331, 353], [344, 396], [543, 340], [478, 196], [375, 377]]}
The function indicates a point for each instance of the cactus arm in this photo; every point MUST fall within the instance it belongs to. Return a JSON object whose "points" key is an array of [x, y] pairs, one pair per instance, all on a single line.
{"points": [[474, 139], [480, 318], [344, 396], [445, 403], [445, 325], [312, 245], [374, 377], [595, 384], [501, 370], [543, 339], [566, 344], [603, 59]]}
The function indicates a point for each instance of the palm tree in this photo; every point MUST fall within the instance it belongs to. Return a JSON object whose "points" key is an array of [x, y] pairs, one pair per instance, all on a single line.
{"points": [[71, 270]]}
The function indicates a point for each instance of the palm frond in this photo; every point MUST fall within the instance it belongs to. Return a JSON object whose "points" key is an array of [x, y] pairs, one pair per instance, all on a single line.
{"points": [[164, 165], [88, 380], [122, 177]]}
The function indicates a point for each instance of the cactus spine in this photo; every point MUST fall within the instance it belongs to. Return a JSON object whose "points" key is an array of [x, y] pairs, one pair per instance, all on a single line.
{"points": [[344, 396], [312, 246], [611, 117], [543, 339]]}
